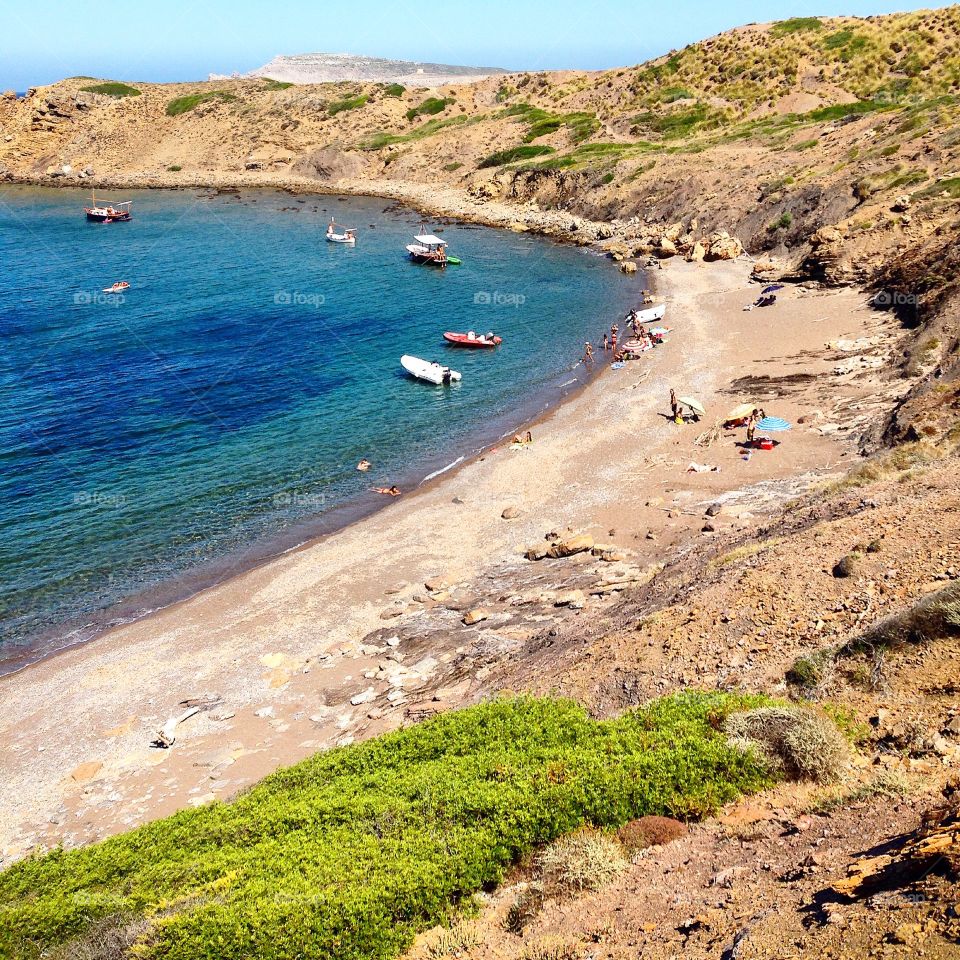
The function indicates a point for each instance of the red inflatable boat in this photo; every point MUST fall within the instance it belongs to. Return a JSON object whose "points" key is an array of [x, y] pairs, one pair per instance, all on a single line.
{"points": [[472, 340]]}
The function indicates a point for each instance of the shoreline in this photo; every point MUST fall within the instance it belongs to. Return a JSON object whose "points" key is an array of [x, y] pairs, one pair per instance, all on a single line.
{"points": [[186, 585], [341, 639], [436, 199]]}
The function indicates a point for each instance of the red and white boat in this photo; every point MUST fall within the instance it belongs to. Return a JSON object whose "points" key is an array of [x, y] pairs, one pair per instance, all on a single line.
{"points": [[118, 287], [471, 339], [108, 211]]}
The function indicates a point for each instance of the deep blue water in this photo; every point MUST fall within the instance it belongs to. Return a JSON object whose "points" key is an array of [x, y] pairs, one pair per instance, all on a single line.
{"points": [[216, 411]]}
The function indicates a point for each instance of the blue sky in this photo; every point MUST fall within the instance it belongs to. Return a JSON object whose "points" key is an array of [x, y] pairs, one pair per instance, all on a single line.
{"points": [[45, 41]]}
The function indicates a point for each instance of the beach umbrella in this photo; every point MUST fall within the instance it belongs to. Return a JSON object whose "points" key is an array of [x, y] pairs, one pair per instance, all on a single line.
{"points": [[773, 425], [693, 404], [773, 288], [741, 410]]}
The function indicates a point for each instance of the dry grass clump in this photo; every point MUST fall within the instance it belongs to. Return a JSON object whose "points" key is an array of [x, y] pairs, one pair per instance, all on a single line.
{"points": [[932, 618], [585, 860], [453, 940], [112, 938], [887, 783], [794, 741], [552, 948]]}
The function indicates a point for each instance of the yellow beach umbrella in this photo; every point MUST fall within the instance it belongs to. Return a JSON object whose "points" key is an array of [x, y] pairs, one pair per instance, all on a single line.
{"points": [[693, 404], [741, 411]]}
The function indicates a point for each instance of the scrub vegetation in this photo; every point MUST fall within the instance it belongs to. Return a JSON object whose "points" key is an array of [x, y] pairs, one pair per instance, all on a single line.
{"points": [[353, 852]]}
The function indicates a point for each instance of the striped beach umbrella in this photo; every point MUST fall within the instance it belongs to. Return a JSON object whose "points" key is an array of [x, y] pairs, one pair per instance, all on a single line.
{"points": [[773, 425]]}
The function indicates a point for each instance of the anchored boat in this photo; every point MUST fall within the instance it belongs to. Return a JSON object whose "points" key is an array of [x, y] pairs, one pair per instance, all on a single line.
{"points": [[470, 339], [426, 248], [428, 371], [344, 236], [108, 211], [118, 287]]}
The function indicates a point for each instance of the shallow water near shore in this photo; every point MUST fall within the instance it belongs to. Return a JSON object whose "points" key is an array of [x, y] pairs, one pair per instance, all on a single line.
{"points": [[213, 415]]}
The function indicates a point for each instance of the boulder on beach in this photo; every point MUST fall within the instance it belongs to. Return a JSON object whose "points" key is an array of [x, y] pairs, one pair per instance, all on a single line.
{"points": [[571, 546], [721, 246]]}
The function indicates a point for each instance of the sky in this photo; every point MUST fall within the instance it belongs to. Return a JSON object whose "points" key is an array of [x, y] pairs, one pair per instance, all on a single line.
{"points": [[43, 41]]}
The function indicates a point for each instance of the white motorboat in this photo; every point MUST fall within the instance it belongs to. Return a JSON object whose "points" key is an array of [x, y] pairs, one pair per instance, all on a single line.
{"points": [[430, 372], [344, 236]]}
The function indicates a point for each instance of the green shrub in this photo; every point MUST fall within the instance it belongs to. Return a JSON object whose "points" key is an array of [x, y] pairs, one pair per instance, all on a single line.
{"points": [[354, 851], [450, 167], [782, 222], [430, 107], [428, 129], [189, 102], [348, 103], [175, 168], [796, 25], [269, 84], [512, 155], [394, 90], [112, 89]]}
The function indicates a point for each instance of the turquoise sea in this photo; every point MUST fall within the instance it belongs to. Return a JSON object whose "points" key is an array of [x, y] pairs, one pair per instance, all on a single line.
{"points": [[213, 415]]}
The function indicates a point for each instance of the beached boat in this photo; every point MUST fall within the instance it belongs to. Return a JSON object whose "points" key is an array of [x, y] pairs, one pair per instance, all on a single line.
{"points": [[344, 236], [108, 211], [117, 287], [426, 248], [429, 371], [653, 314], [470, 339]]}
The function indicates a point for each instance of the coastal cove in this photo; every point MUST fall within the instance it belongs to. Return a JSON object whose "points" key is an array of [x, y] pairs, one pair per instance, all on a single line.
{"points": [[212, 416]]}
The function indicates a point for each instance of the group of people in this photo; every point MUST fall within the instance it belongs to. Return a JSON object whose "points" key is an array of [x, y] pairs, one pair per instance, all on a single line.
{"points": [[643, 340]]}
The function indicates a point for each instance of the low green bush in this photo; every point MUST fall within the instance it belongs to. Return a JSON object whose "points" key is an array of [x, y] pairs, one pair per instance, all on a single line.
{"points": [[512, 155], [394, 90], [269, 84], [348, 103], [112, 89], [352, 852], [796, 25], [429, 107], [190, 101]]}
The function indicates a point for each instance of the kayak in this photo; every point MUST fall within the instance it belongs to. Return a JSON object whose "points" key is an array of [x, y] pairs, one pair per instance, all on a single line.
{"points": [[472, 340], [428, 371]]}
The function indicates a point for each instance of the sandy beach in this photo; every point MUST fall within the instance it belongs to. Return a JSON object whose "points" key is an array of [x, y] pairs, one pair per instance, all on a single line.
{"points": [[364, 630]]}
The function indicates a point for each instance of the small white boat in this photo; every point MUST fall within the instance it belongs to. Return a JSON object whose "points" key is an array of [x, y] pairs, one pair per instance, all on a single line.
{"points": [[118, 287], [435, 373], [654, 313], [344, 236]]}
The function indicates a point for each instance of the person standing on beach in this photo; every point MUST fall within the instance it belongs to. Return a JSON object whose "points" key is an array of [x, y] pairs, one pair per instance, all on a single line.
{"points": [[752, 426], [606, 342], [587, 353], [614, 330], [674, 406]]}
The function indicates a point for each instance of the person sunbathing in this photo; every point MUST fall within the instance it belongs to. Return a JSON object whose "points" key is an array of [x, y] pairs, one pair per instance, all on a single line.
{"points": [[388, 491]]}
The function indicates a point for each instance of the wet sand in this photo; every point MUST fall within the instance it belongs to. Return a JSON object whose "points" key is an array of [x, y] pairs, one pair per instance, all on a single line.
{"points": [[283, 649]]}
